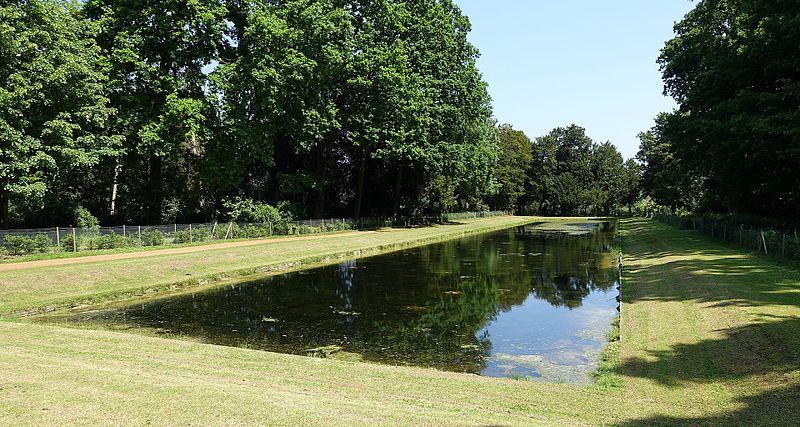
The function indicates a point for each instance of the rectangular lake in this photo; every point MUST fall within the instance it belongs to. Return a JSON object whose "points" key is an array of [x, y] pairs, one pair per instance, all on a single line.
{"points": [[517, 302]]}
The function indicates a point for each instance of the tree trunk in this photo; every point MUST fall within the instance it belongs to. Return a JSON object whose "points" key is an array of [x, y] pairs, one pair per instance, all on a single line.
{"points": [[3, 206], [156, 194], [362, 165], [319, 198], [114, 185], [397, 186]]}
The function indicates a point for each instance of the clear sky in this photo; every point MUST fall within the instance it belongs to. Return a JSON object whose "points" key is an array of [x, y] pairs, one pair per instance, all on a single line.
{"points": [[552, 63]]}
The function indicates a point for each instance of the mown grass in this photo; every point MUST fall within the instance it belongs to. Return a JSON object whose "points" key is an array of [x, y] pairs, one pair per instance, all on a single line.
{"points": [[46, 288], [61, 254], [708, 336]]}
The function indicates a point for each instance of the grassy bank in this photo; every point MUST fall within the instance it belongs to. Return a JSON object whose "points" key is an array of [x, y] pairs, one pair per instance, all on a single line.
{"points": [[43, 287], [709, 336]]}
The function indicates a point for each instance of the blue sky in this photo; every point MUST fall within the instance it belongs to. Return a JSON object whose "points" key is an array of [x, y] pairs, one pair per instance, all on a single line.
{"points": [[551, 63]]}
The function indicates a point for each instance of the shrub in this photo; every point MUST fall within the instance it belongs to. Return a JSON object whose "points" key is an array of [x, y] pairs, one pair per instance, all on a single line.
{"points": [[112, 241], [247, 210], [23, 245], [304, 229], [85, 219], [68, 243], [152, 237], [199, 234]]}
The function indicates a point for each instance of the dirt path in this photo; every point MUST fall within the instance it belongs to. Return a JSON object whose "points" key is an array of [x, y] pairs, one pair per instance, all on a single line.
{"points": [[174, 251]]}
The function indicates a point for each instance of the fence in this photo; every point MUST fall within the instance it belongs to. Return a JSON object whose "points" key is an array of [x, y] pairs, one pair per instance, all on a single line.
{"points": [[73, 239], [777, 243]]}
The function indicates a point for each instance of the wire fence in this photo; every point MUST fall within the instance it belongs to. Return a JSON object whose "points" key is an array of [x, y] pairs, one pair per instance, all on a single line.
{"points": [[18, 242], [784, 244]]}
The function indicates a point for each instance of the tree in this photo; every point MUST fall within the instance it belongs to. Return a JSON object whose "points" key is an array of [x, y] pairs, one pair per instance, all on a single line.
{"points": [[572, 175], [665, 176], [156, 51], [733, 69], [514, 159], [631, 182], [53, 111]]}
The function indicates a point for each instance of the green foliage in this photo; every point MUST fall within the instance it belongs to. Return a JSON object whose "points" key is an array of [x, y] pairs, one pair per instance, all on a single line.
{"points": [[53, 112], [152, 237], [197, 234], [572, 175], [247, 210], [25, 245], [514, 160], [112, 241], [85, 219], [732, 144]]}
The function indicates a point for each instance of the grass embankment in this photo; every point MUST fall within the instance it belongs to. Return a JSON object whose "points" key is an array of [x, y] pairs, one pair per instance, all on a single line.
{"points": [[49, 284], [709, 336]]}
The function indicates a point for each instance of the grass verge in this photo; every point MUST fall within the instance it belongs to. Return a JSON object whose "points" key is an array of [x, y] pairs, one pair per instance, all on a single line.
{"points": [[46, 288]]}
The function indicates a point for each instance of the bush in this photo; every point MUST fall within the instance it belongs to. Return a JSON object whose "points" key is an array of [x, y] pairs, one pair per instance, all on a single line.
{"points": [[152, 238], [85, 219], [304, 229], [24, 245], [199, 234], [112, 241], [247, 210], [68, 243]]}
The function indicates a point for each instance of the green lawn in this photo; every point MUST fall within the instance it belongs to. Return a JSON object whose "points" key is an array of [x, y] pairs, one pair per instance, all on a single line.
{"points": [[709, 336]]}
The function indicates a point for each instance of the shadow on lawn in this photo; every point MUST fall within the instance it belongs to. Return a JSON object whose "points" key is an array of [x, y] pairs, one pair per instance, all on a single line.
{"points": [[761, 355], [778, 407]]}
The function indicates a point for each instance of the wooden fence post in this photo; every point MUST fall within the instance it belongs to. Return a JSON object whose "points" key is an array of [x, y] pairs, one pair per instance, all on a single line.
{"points": [[213, 230], [191, 236], [124, 233], [139, 232], [764, 240], [74, 240], [58, 237]]}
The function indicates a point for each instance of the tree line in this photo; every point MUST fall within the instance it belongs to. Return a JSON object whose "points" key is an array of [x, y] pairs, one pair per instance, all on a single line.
{"points": [[733, 144], [153, 111]]}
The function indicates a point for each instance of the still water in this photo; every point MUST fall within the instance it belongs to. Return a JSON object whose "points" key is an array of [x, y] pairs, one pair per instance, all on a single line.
{"points": [[517, 302]]}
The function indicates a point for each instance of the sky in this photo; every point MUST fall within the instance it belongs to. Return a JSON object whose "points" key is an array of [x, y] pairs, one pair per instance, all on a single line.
{"points": [[552, 63]]}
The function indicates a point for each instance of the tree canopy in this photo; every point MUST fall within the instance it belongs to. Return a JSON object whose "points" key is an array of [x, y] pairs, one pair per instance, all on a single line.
{"points": [[732, 145]]}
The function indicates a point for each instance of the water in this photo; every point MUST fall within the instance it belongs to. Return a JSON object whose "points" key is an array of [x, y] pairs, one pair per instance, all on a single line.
{"points": [[510, 303]]}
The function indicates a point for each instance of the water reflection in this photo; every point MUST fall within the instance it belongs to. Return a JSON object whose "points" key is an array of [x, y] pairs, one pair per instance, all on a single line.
{"points": [[515, 302]]}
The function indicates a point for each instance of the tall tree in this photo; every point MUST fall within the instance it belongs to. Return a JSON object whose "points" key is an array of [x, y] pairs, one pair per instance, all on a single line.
{"points": [[156, 51], [514, 160], [53, 112], [734, 69]]}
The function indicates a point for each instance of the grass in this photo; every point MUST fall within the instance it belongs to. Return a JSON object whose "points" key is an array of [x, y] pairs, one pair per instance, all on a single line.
{"points": [[47, 288], [708, 336], [57, 253]]}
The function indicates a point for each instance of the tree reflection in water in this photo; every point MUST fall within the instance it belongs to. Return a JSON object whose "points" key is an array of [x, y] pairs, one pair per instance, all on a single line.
{"points": [[440, 305]]}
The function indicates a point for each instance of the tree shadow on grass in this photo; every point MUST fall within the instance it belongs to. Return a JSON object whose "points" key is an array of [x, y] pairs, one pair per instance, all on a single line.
{"points": [[763, 355], [778, 407]]}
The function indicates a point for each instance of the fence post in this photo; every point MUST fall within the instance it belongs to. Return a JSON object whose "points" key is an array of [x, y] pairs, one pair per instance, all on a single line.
{"points": [[124, 233], [74, 240], [270, 228], [764, 240], [139, 232], [230, 225], [191, 237], [213, 230], [58, 237], [175, 230]]}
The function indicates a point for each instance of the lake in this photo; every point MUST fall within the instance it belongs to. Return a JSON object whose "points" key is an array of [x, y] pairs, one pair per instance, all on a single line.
{"points": [[521, 303]]}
